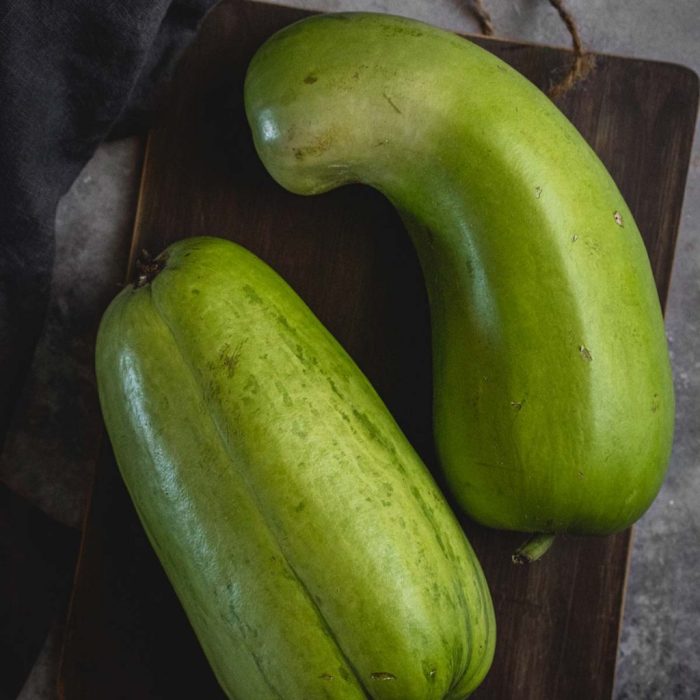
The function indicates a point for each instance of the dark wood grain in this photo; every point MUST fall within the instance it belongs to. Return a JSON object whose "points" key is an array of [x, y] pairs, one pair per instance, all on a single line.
{"points": [[347, 255]]}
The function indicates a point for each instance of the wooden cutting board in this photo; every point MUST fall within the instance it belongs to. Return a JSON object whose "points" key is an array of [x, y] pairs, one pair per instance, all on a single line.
{"points": [[348, 256]]}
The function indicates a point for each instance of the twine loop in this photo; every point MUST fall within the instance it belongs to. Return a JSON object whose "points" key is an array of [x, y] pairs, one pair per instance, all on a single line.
{"points": [[582, 61]]}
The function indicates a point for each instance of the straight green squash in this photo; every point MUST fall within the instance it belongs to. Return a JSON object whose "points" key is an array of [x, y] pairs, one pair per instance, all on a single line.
{"points": [[309, 546]]}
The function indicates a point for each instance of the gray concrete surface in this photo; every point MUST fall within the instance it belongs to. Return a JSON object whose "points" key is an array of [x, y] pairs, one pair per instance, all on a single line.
{"points": [[659, 656], [56, 443]]}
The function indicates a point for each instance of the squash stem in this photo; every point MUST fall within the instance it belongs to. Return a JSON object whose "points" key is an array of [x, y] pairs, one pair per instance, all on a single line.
{"points": [[148, 268], [533, 548]]}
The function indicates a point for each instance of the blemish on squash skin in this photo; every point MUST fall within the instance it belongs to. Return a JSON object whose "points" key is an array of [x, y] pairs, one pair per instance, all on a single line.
{"points": [[391, 102], [585, 353], [538, 192], [398, 30], [382, 676], [333, 386], [228, 359], [618, 218], [326, 677], [374, 433], [251, 294], [286, 398], [517, 405], [317, 147], [310, 79]]}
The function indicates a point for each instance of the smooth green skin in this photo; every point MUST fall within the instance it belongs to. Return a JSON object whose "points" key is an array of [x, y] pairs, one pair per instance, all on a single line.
{"points": [[553, 399], [309, 546]]}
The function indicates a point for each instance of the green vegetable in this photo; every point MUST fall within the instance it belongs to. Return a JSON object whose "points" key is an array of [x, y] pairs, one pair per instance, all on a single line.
{"points": [[553, 400], [310, 548]]}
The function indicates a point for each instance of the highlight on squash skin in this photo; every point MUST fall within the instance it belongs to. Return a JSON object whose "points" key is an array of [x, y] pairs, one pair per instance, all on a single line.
{"points": [[553, 400], [310, 548]]}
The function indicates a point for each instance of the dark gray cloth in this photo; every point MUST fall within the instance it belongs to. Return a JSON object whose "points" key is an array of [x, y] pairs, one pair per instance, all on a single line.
{"points": [[72, 73]]}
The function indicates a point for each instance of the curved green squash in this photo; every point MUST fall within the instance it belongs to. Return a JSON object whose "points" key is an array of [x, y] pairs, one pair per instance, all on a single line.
{"points": [[553, 401], [310, 548]]}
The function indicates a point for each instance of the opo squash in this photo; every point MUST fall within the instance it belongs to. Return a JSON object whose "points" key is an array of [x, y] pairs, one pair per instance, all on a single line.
{"points": [[309, 546], [553, 400]]}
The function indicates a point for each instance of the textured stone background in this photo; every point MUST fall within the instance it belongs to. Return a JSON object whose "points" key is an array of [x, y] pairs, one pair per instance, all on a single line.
{"points": [[659, 656]]}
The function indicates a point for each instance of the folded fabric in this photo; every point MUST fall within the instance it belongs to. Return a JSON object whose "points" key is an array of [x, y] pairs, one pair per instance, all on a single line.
{"points": [[71, 74]]}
